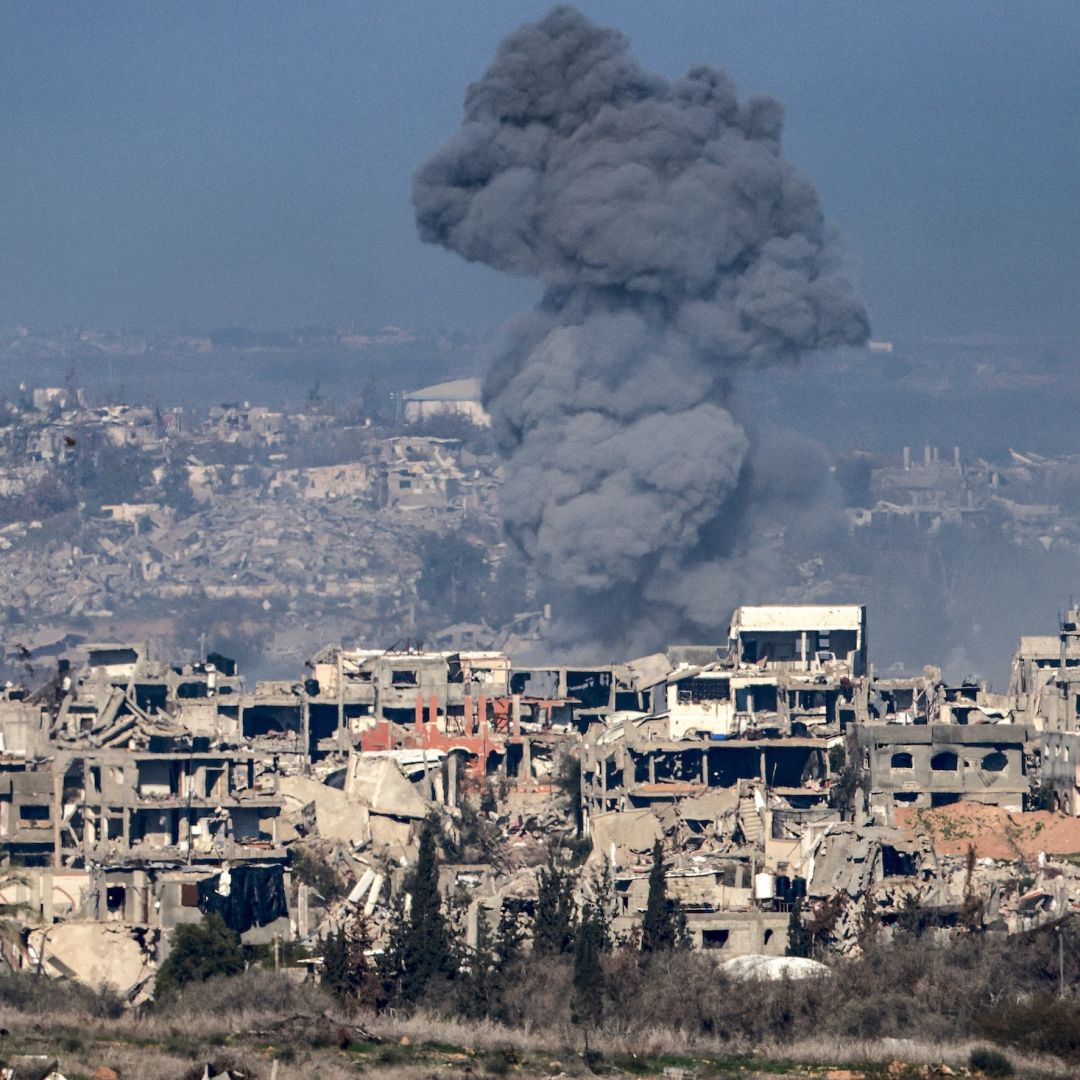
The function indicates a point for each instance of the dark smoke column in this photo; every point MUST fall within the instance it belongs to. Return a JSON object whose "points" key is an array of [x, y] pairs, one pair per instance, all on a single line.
{"points": [[675, 247]]}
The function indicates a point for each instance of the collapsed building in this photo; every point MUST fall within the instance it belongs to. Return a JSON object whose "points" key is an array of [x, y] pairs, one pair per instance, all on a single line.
{"points": [[778, 772]]}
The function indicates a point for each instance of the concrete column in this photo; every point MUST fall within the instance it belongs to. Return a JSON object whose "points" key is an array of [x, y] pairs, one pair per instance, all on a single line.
{"points": [[429, 789], [705, 767], [340, 701], [433, 712], [468, 718], [482, 716], [373, 896], [652, 768], [761, 765], [472, 925], [515, 715], [45, 900], [526, 760], [125, 793], [57, 810], [303, 917], [305, 732], [451, 780], [419, 710]]}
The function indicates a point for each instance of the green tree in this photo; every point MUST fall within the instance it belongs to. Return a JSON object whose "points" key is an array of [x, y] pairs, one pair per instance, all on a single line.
{"points": [[553, 925], [587, 1004], [658, 930], [509, 937], [347, 969], [601, 904], [800, 940], [200, 951], [335, 957], [479, 988], [419, 946]]}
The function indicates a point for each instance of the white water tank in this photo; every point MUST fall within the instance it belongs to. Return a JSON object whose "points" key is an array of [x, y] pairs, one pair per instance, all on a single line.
{"points": [[764, 886]]}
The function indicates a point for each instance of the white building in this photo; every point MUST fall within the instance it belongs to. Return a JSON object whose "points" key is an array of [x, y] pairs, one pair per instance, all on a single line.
{"points": [[458, 398], [800, 637]]}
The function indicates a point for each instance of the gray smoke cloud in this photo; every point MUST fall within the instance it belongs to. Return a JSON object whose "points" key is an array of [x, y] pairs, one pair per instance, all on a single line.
{"points": [[676, 248]]}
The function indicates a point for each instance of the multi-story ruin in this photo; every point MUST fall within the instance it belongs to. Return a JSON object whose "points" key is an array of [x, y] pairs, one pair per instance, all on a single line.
{"points": [[776, 769]]}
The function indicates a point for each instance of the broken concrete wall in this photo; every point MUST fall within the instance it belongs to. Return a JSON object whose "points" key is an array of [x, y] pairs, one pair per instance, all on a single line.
{"points": [[97, 955]]}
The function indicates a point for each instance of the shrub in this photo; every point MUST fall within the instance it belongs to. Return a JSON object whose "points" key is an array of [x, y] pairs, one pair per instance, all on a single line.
{"points": [[200, 951], [42, 995], [254, 991], [990, 1062], [1041, 1023]]}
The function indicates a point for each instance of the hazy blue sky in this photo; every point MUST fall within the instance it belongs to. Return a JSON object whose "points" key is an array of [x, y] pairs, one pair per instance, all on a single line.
{"points": [[207, 164]]}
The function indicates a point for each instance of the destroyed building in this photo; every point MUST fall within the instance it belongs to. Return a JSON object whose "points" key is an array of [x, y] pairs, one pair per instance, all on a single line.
{"points": [[937, 764], [776, 769]]}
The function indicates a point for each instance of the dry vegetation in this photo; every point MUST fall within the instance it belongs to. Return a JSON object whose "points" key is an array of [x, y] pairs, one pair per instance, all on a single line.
{"points": [[913, 1001]]}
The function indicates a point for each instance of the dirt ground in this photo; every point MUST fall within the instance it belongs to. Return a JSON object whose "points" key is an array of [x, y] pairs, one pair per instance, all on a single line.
{"points": [[995, 833]]}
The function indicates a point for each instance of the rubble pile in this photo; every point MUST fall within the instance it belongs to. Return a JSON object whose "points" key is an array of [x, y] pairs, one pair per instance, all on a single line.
{"points": [[122, 512], [784, 782]]}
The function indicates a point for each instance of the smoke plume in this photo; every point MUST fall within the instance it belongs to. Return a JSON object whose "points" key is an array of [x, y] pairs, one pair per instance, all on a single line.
{"points": [[676, 248]]}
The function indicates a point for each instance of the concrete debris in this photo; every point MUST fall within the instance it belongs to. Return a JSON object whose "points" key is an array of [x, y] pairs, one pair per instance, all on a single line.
{"points": [[377, 783], [777, 771], [624, 839], [334, 815], [96, 955], [31, 1067]]}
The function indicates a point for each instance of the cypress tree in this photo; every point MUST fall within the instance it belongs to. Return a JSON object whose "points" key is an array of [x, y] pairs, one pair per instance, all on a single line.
{"points": [[800, 940], [553, 926], [419, 946], [602, 903], [335, 962], [479, 986], [587, 1005], [658, 928], [347, 970], [509, 937]]}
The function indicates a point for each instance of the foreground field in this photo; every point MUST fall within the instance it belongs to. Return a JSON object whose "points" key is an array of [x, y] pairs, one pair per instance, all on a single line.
{"points": [[261, 1028]]}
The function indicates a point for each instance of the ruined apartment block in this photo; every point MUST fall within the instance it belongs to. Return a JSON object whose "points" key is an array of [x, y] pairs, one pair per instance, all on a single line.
{"points": [[775, 768]]}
